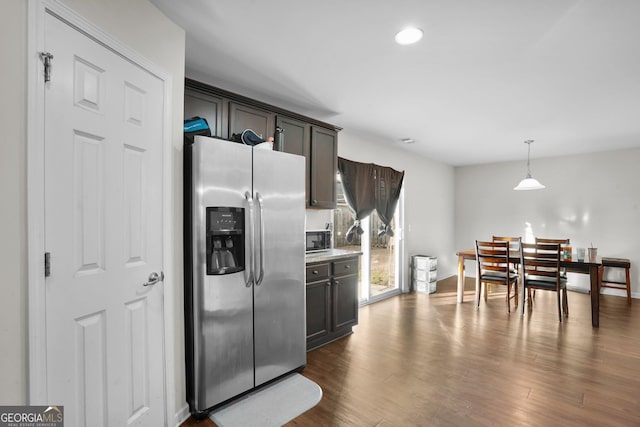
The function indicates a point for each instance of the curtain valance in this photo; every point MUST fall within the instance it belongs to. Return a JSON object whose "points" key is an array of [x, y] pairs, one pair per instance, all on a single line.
{"points": [[368, 186]]}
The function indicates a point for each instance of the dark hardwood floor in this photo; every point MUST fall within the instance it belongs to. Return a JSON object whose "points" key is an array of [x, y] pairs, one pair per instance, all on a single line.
{"points": [[423, 360]]}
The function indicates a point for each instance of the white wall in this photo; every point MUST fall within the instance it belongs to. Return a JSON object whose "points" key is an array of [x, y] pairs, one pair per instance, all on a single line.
{"points": [[591, 198], [13, 202], [138, 24], [429, 197]]}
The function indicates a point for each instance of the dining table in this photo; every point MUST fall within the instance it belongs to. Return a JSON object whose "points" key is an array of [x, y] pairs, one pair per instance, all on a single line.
{"points": [[573, 265]]}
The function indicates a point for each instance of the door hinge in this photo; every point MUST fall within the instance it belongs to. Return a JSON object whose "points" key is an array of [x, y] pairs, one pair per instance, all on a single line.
{"points": [[46, 58], [47, 264]]}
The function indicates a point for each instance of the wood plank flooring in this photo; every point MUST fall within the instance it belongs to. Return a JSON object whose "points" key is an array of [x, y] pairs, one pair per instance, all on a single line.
{"points": [[423, 360]]}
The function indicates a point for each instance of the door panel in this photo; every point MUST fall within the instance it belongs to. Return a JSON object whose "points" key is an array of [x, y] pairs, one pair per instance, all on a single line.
{"points": [[243, 117], [279, 301], [297, 136], [206, 106], [318, 309], [345, 301], [222, 304], [297, 140], [324, 164], [103, 228]]}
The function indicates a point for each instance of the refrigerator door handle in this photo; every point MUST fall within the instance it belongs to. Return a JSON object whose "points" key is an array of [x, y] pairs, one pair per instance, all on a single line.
{"points": [[261, 239], [248, 271]]}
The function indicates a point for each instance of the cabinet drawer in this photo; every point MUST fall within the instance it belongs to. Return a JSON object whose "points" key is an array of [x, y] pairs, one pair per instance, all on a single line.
{"points": [[342, 268], [425, 263], [317, 272], [426, 276]]}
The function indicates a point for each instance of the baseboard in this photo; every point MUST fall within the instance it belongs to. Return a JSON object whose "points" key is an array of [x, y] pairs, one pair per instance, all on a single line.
{"points": [[182, 415], [578, 289]]}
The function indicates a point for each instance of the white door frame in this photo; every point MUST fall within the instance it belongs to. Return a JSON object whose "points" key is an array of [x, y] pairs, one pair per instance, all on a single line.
{"points": [[37, 367]]}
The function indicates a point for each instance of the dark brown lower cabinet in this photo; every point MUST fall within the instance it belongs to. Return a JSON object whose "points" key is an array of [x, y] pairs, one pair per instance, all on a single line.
{"points": [[332, 300]]}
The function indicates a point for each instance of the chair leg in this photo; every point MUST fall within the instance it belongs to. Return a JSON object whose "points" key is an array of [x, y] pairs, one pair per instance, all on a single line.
{"points": [[559, 306], [486, 290], [565, 302], [478, 291], [508, 297]]}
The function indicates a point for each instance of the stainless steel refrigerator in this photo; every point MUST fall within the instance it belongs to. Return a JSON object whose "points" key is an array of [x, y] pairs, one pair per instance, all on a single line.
{"points": [[244, 269]]}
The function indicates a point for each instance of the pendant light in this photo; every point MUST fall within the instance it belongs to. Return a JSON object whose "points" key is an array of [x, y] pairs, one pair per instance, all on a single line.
{"points": [[529, 183]]}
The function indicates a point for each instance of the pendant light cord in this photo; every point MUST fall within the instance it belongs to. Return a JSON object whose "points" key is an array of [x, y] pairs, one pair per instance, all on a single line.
{"points": [[528, 142]]}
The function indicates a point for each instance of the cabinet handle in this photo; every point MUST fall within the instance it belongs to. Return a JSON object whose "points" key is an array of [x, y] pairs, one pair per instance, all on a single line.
{"points": [[336, 282], [314, 202], [315, 272], [348, 266]]}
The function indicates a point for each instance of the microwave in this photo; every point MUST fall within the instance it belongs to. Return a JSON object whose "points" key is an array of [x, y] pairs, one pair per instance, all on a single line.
{"points": [[318, 240]]}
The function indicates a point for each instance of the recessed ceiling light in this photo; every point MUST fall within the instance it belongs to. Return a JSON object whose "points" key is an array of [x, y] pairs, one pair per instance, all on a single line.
{"points": [[408, 140], [409, 35]]}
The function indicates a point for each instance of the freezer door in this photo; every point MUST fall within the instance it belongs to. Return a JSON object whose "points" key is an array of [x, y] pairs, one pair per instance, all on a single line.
{"points": [[279, 294], [222, 305]]}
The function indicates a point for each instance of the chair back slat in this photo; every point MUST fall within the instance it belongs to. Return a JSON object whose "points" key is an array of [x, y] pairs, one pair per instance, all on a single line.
{"points": [[514, 242], [561, 242], [492, 256]]}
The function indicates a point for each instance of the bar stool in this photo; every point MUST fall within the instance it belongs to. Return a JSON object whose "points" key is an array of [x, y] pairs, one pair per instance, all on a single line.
{"points": [[616, 263]]}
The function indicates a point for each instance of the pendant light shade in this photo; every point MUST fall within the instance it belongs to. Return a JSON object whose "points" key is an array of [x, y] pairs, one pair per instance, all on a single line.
{"points": [[529, 183]]}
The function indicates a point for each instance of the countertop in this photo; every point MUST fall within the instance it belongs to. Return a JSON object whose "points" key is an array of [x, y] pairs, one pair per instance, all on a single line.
{"points": [[330, 255]]}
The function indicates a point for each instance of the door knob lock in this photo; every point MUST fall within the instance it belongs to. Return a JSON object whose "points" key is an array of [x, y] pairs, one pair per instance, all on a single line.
{"points": [[154, 278]]}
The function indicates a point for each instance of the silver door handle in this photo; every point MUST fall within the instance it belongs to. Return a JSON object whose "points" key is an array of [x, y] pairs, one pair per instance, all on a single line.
{"points": [[249, 265], [154, 278], [261, 240]]}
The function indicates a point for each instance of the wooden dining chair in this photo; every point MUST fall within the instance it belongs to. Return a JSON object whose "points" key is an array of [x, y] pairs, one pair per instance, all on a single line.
{"points": [[493, 267], [541, 268], [563, 244], [514, 246]]}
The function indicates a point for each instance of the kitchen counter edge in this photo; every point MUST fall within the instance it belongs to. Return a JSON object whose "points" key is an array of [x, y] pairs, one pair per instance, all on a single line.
{"points": [[330, 255]]}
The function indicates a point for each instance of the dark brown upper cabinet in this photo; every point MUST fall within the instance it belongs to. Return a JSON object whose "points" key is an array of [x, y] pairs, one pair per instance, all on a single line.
{"points": [[297, 135], [228, 113], [243, 117], [296, 139], [323, 168], [207, 106]]}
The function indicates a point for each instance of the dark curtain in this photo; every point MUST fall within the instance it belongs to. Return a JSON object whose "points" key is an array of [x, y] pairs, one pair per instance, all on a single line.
{"points": [[388, 186], [358, 186], [367, 187]]}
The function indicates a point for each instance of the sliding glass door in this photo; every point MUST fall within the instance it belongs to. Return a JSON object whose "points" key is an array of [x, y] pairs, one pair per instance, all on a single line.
{"points": [[379, 265]]}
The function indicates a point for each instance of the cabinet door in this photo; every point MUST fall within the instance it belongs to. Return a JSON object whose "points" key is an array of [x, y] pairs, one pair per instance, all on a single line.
{"points": [[345, 301], [243, 117], [297, 136], [324, 164], [206, 106], [297, 140], [318, 310]]}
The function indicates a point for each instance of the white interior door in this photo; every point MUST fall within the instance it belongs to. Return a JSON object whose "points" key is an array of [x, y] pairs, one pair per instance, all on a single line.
{"points": [[103, 229]]}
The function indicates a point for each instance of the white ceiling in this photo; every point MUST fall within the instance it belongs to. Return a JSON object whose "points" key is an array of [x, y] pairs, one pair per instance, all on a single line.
{"points": [[486, 76]]}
